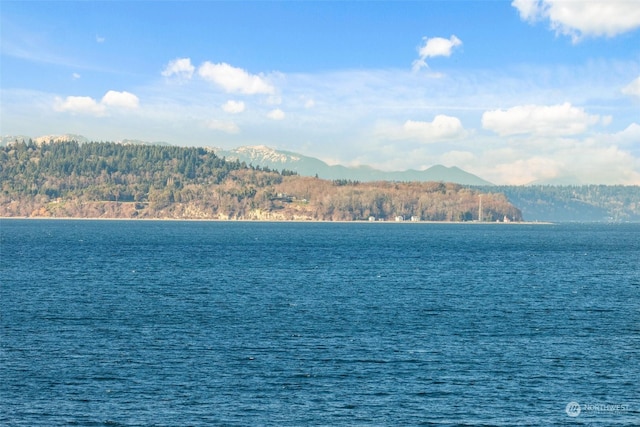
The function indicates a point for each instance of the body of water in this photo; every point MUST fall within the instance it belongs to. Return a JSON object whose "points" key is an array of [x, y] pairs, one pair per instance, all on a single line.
{"points": [[139, 323]]}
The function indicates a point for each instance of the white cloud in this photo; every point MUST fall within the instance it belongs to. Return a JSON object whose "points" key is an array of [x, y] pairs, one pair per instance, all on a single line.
{"points": [[224, 126], [579, 19], [627, 138], [234, 80], [79, 105], [630, 135], [180, 67], [120, 99], [432, 47], [75, 76], [562, 119], [100, 39], [604, 158], [276, 114], [633, 88], [604, 165], [233, 107], [89, 106], [530, 10], [526, 171], [442, 127]]}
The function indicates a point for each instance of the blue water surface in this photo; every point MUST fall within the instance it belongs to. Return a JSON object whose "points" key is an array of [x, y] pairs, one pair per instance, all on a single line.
{"points": [[138, 323]]}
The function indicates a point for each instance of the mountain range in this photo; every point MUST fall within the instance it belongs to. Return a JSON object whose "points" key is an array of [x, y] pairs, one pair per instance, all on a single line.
{"points": [[264, 156], [261, 155]]}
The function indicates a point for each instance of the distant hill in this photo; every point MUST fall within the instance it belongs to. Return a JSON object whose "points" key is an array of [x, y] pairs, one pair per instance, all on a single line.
{"points": [[574, 203], [261, 155], [115, 180]]}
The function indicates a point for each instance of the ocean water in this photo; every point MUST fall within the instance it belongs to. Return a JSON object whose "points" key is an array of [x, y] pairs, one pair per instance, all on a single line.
{"points": [[153, 323]]}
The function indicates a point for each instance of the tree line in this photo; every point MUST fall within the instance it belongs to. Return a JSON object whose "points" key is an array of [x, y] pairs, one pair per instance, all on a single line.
{"points": [[616, 203]]}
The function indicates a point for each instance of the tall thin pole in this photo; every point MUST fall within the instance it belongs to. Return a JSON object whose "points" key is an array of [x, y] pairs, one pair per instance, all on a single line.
{"points": [[480, 209]]}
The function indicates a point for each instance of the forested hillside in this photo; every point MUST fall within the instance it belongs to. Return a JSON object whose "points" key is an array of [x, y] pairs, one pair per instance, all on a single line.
{"points": [[109, 180], [582, 203]]}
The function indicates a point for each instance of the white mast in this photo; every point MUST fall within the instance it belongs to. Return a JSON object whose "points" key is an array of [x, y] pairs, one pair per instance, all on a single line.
{"points": [[480, 209]]}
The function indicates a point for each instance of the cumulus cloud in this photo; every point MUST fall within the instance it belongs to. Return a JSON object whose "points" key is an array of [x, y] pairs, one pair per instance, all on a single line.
{"points": [[120, 99], [562, 119], [86, 105], [579, 19], [633, 88], [180, 67], [235, 80], [432, 47], [276, 114], [233, 107], [442, 127], [79, 105], [630, 134], [224, 126], [627, 138]]}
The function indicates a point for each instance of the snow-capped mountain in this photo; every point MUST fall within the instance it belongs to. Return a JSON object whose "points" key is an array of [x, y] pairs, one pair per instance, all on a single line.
{"points": [[261, 155], [46, 139]]}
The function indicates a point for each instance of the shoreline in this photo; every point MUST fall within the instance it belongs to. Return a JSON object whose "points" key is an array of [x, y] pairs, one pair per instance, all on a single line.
{"points": [[364, 221]]}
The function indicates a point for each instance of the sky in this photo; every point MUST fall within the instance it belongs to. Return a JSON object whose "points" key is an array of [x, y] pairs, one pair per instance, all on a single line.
{"points": [[514, 91]]}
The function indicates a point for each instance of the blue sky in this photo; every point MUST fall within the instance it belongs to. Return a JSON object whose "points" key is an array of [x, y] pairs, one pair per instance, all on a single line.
{"points": [[514, 91]]}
